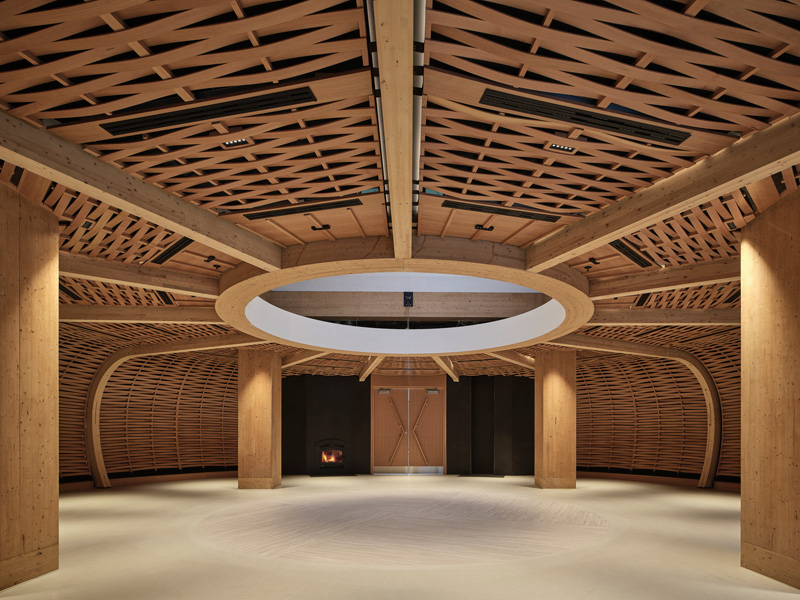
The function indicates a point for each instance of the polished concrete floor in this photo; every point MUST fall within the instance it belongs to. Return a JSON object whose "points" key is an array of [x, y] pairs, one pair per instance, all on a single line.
{"points": [[386, 537]]}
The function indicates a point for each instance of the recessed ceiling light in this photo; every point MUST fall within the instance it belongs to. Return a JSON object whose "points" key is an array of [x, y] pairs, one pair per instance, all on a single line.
{"points": [[561, 148], [234, 143]]}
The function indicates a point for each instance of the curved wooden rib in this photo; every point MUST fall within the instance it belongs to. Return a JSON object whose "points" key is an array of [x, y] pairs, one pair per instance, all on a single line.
{"points": [[94, 448], [447, 365], [704, 378]]}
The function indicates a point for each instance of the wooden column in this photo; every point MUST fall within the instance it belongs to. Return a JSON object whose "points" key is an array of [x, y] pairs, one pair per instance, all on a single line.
{"points": [[259, 419], [771, 392], [555, 421], [28, 389]]}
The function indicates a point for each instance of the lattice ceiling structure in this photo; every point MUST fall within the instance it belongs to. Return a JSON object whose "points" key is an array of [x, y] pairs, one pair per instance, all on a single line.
{"points": [[533, 116]]}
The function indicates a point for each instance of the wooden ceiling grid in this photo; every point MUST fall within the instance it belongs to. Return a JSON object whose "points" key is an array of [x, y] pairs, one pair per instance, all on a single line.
{"points": [[150, 58], [733, 71]]}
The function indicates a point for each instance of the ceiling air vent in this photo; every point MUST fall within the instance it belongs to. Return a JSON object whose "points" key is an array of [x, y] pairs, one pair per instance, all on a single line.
{"points": [[630, 253], [253, 104], [302, 209], [583, 118], [172, 250], [499, 210]]}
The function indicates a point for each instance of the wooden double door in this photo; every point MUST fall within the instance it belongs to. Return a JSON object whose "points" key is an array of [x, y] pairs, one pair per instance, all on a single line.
{"points": [[408, 434]]}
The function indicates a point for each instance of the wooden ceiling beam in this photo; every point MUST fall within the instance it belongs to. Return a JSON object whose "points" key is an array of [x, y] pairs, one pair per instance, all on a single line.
{"points": [[300, 357], [670, 278], [745, 161], [383, 306], [394, 34], [369, 366], [694, 364], [40, 152], [447, 365], [72, 313], [653, 316], [167, 280], [515, 358]]}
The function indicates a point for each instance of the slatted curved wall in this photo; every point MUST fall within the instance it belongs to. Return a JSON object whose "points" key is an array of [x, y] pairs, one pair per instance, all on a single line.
{"points": [[640, 414], [179, 411], [174, 411]]}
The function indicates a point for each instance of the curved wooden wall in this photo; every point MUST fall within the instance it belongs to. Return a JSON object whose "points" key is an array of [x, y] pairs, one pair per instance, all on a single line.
{"points": [[638, 413], [172, 411], [179, 410]]}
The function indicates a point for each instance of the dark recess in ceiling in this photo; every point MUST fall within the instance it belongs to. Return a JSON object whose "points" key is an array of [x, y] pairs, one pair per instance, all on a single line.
{"points": [[584, 118]]}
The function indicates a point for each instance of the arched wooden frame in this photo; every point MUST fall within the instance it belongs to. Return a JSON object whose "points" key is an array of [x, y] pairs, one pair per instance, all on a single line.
{"points": [[698, 369]]}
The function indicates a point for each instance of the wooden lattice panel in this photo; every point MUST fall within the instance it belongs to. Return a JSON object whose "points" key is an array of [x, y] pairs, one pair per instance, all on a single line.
{"points": [[639, 414], [715, 70], [719, 348], [82, 349], [174, 411], [79, 71]]}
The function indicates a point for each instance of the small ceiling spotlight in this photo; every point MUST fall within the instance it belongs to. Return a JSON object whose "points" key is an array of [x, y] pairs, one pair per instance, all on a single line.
{"points": [[320, 228], [236, 143], [482, 228], [562, 148]]}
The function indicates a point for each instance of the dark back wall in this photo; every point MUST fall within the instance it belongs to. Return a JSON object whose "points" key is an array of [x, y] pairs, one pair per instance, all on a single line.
{"points": [[317, 408], [490, 426]]}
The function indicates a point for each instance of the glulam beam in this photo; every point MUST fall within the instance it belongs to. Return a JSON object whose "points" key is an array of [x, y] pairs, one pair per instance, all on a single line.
{"points": [[40, 152]]}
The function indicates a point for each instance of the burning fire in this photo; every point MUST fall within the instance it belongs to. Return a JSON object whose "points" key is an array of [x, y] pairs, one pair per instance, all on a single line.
{"points": [[331, 456]]}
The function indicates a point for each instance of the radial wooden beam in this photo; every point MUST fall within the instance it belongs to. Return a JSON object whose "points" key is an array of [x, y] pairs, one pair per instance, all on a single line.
{"points": [[300, 357], [447, 366], [648, 316], [394, 34], [381, 306], [94, 449], [167, 280], [515, 358], [44, 154], [704, 378], [755, 157], [369, 366], [70, 313], [717, 271]]}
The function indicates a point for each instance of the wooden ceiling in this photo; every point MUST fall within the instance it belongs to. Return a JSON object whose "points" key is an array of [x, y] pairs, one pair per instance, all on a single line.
{"points": [[267, 115]]}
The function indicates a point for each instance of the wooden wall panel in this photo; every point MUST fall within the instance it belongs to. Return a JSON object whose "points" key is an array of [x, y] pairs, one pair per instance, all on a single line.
{"points": [[639, 414], [167, 412], [29, 393], [770, 392]]}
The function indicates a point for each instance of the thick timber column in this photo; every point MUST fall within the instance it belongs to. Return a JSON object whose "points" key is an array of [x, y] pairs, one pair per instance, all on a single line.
{"points": [[555, 420], [259, 419], [28, 389], [771, 392]]}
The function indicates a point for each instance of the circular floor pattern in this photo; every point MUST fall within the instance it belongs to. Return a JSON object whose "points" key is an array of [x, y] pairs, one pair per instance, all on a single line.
{"points": [[417, 529]]}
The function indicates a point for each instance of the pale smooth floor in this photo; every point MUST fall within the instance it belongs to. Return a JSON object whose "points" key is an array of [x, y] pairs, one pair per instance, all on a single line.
{"points": [[421, 536]]}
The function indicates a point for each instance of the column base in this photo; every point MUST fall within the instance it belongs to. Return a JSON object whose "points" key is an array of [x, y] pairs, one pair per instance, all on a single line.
{"points": [[554, 483], [259, 483], [777, 566], [27, 566]]}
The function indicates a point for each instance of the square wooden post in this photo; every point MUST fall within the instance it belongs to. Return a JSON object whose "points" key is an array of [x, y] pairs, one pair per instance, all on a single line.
{"points": [[28, 389], [771, 392], [555, 420], [259, 419]]}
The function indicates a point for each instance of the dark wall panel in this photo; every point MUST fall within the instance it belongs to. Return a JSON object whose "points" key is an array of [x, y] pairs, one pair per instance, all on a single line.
{"points": [[459, 426], [522, 426], [361, 440], [293, 428], [482, 425], [503, 425]]}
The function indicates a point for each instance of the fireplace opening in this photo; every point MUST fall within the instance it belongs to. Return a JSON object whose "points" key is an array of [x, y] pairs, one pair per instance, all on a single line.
{"points": [[332, 458]]}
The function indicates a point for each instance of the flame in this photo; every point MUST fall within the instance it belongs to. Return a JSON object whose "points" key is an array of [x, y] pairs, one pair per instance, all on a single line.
{"points": [[331, 456]]}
